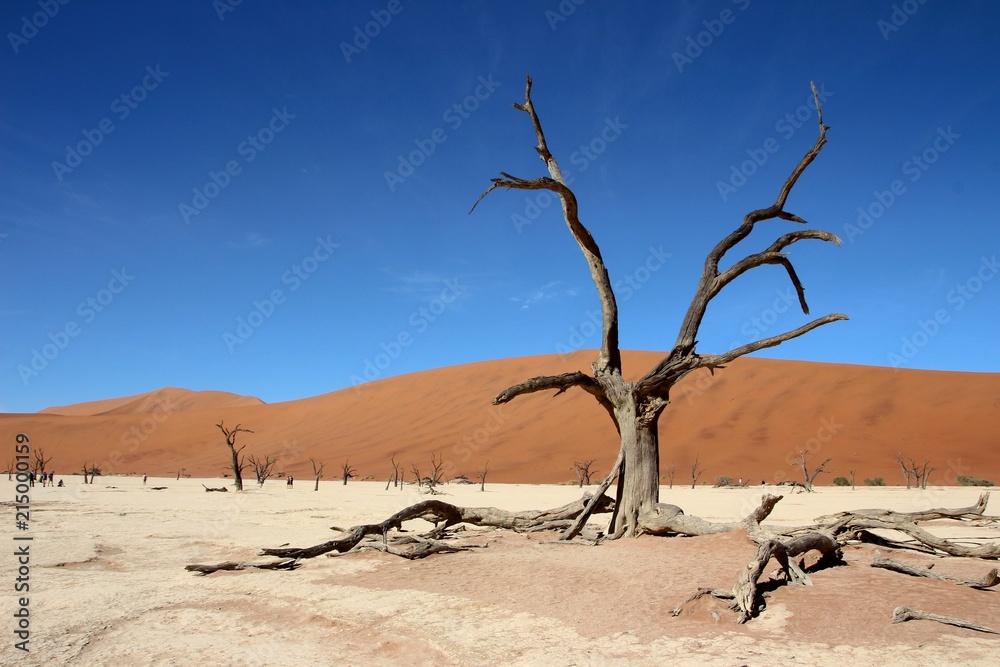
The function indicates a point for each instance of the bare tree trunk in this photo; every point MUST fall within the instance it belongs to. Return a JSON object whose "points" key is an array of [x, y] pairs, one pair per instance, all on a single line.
{"points": [[639, 486]]}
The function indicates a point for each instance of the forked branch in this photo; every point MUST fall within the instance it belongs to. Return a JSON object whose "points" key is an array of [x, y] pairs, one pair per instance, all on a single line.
{"points": [[712, 281], [609, 360]]}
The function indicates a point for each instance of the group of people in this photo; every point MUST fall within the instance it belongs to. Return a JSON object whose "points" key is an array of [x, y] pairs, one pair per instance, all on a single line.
{"points": [[46, 478], [288, 482]]}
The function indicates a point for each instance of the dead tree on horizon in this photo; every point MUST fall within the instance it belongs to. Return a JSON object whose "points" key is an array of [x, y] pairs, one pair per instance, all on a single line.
{"points": [[94, 471], [902, 465], [347, 471], [696, 470], [238, 463], [583, 471], [635, 407], [317, 472], [802, 460], [40, 461], [670, 476], [437, 474], [262, 467], [920, 473], [10, 468], [482, 476], [394, 478]]}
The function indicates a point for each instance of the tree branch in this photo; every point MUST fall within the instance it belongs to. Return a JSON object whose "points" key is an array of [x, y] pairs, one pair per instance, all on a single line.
{"points": [[609, 360], [686, 338], [560, 382], [716, 360]]}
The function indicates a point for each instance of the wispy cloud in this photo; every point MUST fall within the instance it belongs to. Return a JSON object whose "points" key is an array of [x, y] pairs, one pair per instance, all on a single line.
{"points": [[546, 292], [417, 283], [250, 240]]}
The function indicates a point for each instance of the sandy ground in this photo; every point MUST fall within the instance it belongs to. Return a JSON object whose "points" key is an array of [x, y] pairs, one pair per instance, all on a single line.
{"points": [[108, 585]]}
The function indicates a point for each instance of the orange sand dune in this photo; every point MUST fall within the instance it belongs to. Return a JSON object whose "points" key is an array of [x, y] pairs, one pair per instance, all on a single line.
{"points": [[167, 399], [747, 421]]}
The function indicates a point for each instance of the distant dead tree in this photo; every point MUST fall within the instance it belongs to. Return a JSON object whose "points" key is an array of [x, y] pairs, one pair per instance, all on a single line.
{"points": [[670, 476], [10, 469], [482, 476], [262, 467], [635, 407], [437, 473], [94, 471], [394, 478], [920, 473], [915, 471], [40, 461], [902, 466], [347, 471], [696, 470], [583, 471], [416, 474], [852, 479], [802, 460], [238, 463], [317, 472]]}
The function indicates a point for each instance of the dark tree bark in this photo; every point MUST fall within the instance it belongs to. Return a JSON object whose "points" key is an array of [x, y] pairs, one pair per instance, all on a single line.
{"points": [[238, 464], [347, 471], [802, 460], [482, 476], [318, 473], [635, 407], [583, 471], [262, 467], [696, 470], [40, 461]]}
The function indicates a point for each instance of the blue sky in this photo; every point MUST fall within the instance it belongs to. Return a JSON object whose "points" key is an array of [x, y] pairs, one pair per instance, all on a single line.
{"points": [[262, 198]]}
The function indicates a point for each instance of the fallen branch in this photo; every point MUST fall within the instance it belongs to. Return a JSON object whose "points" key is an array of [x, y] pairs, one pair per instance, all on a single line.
{"points": [[903, 614], [208, 488], [664, 519], [442, 515], [284, 564], [988, 551], [988, 580], [976, 511]]}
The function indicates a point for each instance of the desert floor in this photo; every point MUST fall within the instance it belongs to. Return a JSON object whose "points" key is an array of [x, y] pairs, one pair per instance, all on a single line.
{"points": [[108, 584]]}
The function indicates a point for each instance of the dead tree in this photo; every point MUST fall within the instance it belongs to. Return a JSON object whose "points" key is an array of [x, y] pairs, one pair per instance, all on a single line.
{"points": [[905, 469], [238, 463], [94, 471], [852, 479], [583, 471], [482, 476], [802, 460], [318, 472], [85, 472], [394, 477], [262, 467], [38, 466], [635, 407], [416, 474], [437, 473], [696, 470], [670, 476], [347, 471], [920, 473], [10, 469]]}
